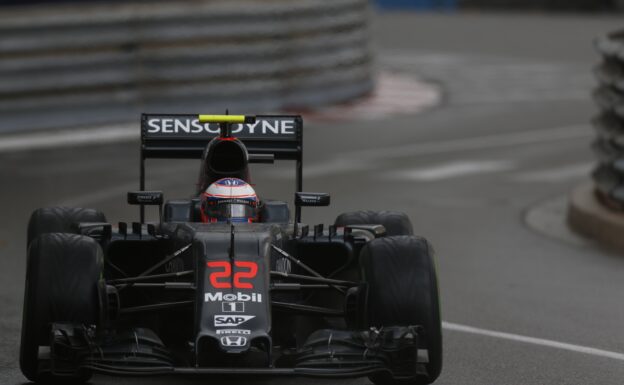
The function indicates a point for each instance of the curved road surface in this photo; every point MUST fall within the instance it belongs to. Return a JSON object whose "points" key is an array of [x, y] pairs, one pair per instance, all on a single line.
{"points": [[521, 307]]}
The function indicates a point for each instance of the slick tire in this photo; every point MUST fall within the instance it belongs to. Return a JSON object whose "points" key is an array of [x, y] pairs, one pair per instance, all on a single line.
{"points": [[395, 222], [403, 290], [60, 220], [63, 284]]}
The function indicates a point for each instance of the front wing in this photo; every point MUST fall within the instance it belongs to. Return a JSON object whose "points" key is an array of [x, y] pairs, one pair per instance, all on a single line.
{"points": [[326, 353]]}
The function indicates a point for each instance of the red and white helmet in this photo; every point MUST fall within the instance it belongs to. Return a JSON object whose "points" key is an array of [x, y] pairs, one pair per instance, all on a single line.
{"points": [[229, 200]]}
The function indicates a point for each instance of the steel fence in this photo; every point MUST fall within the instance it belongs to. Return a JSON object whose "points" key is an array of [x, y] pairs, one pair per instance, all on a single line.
{"points": [[609, 124], [92, 63]]}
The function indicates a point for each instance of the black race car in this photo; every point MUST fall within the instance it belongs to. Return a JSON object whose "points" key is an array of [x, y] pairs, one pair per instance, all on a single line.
{"points": [[276, 297]]}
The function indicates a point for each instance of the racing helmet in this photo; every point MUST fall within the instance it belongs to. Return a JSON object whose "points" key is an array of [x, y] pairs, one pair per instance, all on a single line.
{"points": [[229, 200]]}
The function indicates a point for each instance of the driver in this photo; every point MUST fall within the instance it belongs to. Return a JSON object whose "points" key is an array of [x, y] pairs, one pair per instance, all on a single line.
{"points": [[229, 200]]}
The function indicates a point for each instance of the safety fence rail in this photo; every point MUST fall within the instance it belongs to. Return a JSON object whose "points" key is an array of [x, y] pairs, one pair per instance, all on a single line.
{"points": [[609, 124], [94, 63]]}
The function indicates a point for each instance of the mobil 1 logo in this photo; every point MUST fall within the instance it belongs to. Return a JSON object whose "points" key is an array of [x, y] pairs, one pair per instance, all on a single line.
{"points": [[233, 307], [232, 297]]}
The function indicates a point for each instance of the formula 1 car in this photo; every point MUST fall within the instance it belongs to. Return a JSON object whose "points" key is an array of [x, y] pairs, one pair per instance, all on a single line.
{"points": [[276, 297]]}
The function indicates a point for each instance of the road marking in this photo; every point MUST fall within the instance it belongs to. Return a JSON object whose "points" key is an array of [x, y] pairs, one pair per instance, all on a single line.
{"points": [[369, 159], [559, 174], [452, 170], [534, 341], [69, 138]]}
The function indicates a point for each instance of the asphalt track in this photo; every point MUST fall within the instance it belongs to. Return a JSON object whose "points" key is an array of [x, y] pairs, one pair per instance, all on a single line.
{"points": [[521, 307]]}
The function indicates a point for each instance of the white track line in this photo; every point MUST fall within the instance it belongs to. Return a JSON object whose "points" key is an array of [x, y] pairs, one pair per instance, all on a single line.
{"points": [[69, 138], [534, 341], [366, 159], [359, 160], [453, 170]]}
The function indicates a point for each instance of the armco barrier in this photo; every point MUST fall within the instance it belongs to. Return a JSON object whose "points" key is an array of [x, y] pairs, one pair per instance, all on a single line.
{"points": [[93, 63], [609, 124], [417, 4]]}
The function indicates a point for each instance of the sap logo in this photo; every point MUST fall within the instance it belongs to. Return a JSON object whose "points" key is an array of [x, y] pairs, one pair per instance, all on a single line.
{"points": [[233, 341], [232, 297], [229, 320], [233, 331]]}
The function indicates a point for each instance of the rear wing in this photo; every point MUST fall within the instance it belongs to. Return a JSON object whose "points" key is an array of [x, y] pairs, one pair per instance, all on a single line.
{"points": [[182, 136]]}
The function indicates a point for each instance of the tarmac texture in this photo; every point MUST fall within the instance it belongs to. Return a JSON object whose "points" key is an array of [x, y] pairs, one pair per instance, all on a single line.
{"points": [[520, 306]]}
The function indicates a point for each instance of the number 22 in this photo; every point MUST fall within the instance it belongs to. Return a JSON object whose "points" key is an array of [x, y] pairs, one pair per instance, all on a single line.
{"points": [[220, 279]]}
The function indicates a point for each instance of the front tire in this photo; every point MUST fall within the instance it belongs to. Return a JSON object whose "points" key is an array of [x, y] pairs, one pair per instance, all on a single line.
{"points": [[403, 290], [63, 284], [60, 220]]}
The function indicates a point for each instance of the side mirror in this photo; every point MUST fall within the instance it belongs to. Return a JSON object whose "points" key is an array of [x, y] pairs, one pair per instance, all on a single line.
{"points": [[309, 199], [150, 198], [146, 198]]}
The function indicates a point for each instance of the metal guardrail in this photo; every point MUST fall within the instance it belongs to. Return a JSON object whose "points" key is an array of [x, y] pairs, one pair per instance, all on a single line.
{"points": [[417, 4], [609, 124], [180, 56]]}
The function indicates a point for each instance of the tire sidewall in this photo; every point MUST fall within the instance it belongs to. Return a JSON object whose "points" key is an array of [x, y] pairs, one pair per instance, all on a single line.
{"points": [[402, 290], [63, 284], [60, 220]]}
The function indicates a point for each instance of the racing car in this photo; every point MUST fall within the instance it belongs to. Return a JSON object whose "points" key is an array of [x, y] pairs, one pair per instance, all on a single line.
{"points": [[224, 282]]}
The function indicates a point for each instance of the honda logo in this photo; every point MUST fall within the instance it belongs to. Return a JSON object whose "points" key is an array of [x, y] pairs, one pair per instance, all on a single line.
{"points": [[233, 341]]}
